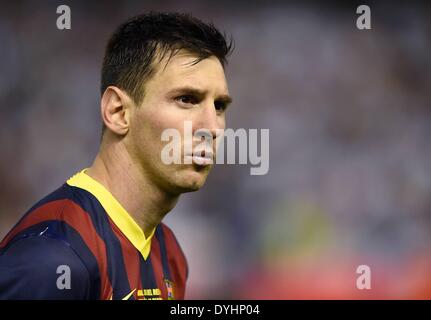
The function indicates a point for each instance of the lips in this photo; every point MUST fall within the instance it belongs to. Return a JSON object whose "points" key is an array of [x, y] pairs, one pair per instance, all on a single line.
{"points": [[202, 157]]}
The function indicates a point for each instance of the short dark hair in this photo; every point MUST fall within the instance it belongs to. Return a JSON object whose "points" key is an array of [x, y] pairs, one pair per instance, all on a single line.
{"points": [[132, 49]]}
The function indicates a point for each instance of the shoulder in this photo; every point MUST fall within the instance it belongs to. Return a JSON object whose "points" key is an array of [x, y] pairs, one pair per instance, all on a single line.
{"points": [[58, 206], [60, 215], [40, 267], [57, 231]]}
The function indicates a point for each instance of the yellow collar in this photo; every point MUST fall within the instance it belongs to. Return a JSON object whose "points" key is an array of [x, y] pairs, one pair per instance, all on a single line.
{"points": [[115, 210]]}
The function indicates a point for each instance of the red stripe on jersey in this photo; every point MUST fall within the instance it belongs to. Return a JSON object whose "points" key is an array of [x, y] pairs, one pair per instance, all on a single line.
{"points": [[177, 263], [69, 212], [156, 261], [131, 259]]}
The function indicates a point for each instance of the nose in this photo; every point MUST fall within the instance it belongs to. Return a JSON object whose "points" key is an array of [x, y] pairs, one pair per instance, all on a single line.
{"points": [[209, 121]]}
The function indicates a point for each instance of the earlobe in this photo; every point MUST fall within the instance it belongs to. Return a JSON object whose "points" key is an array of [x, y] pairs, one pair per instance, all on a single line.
{"points": [[114, 107]]}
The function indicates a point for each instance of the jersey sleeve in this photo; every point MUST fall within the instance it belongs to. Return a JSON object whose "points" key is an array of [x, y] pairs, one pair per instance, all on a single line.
{"points": [[42, 268]]}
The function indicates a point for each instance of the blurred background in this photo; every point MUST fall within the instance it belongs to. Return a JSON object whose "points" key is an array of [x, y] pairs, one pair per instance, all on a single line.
{"points": [[349, 113]]}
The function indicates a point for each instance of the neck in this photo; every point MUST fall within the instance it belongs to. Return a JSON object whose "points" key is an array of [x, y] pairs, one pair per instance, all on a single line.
{"points": [[142, 199]]}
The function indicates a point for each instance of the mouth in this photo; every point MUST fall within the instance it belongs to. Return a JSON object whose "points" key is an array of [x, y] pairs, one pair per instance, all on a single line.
{"points": [[202, 157]]}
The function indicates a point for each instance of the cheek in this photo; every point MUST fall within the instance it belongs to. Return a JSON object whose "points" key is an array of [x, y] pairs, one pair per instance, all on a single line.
{"points": [[159, 123], [153, 124], [161, 115]]}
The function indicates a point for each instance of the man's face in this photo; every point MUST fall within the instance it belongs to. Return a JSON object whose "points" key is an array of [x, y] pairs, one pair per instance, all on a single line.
{"points": [[179, 91]]}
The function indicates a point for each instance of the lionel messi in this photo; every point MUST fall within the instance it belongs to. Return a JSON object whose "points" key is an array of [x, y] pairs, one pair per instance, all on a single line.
{"points": [[103, 227]]}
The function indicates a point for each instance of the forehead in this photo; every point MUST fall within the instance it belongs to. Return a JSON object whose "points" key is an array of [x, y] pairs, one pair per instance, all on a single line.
{"points": [[182, 69]]}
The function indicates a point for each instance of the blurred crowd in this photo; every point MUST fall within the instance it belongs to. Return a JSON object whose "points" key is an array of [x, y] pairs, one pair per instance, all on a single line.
{"points": [[349, 114]]}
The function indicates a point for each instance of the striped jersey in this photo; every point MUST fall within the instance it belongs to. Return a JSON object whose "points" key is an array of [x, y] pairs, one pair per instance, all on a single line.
{"points": [[80, 243]]}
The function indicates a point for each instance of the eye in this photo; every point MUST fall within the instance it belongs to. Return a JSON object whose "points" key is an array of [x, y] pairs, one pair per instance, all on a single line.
{"points": [[188, 99], [220, 105]]}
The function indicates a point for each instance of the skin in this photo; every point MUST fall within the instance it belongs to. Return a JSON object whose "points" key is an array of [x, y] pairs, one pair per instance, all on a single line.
{"points": [[129, 160]]}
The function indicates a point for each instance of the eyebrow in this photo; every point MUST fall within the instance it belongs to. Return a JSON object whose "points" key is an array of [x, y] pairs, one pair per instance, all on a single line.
{"points": [[200, 93]]}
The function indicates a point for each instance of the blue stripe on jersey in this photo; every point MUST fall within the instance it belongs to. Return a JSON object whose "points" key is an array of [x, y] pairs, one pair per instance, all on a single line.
{"points": [[163, 252], [147, 273]]}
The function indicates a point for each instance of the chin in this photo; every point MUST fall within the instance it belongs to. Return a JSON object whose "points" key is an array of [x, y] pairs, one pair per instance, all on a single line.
{"points": [[194, 184], [192, 181]]}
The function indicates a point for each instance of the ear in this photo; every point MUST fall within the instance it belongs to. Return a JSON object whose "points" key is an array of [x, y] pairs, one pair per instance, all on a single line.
{"points": [[115, 109]]}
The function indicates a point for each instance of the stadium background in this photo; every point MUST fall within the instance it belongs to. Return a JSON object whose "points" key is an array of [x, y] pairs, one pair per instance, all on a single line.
{"points": [[349, 115]]}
